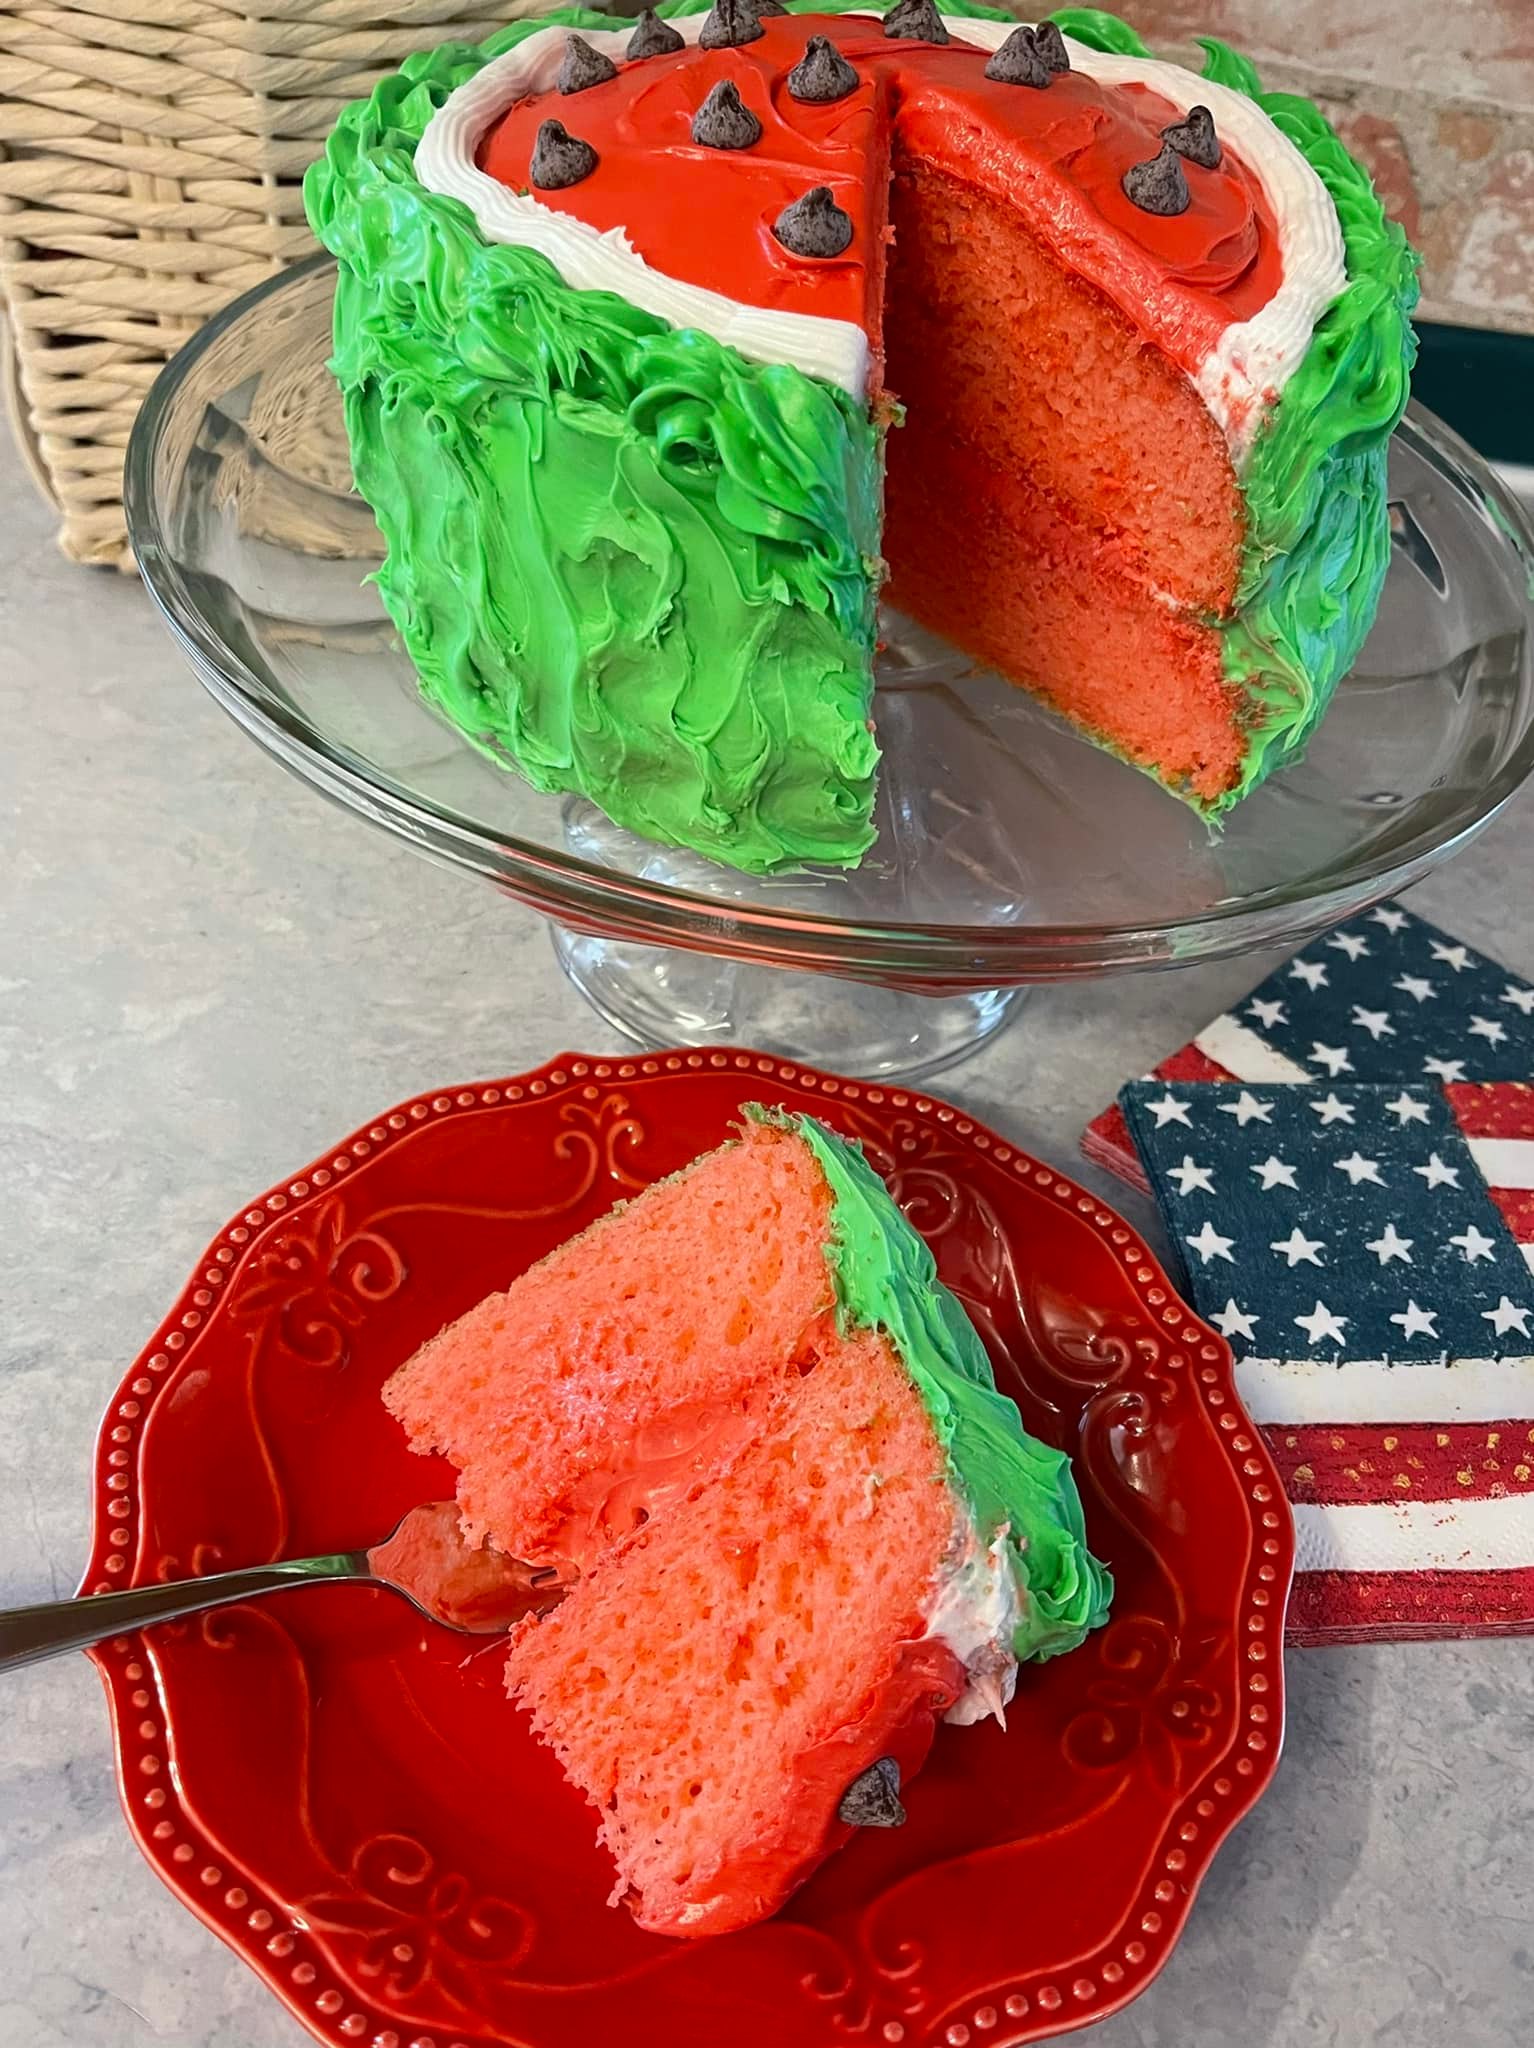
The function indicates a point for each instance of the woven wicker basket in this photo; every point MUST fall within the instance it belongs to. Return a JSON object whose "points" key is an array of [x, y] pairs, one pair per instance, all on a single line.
{"points": [[151, 154]]}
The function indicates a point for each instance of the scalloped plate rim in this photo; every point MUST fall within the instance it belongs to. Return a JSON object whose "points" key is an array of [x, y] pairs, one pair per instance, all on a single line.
{"points": [[279, 1201]]}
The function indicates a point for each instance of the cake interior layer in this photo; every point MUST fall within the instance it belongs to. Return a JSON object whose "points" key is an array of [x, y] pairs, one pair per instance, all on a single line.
{"points": [[1034, 599], [1059, 501], [634, 1360], [719, 1683]]}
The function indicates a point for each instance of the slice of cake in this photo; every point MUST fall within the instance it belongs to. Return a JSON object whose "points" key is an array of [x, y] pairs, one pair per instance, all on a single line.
{"points": [[686, 337], [807, 1523]]}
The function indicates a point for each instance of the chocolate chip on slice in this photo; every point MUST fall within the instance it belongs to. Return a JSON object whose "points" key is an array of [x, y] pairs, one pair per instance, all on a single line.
{"points": [[1195, 138], [1050, 44], [1019, 61], [722, 122], [728, 24], [1158, 185], [822, 74], [560, 159], [814, 225], [915, 21], [581, 66], [872, 1800], [653, 37]]}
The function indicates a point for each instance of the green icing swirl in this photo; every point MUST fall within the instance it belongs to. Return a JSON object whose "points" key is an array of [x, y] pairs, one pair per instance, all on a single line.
{"points": [[683, 630], [1100, 31], [885, 1278], [1318, 537]]}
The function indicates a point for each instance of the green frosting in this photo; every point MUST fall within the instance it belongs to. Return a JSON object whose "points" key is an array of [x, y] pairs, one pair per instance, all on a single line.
{"points": [[885, 1278], [1318, 535], [1100, 31], [683, 628]]}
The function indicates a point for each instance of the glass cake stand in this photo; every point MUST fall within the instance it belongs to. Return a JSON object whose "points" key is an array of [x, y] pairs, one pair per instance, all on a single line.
{"points": [[1009, 851]]}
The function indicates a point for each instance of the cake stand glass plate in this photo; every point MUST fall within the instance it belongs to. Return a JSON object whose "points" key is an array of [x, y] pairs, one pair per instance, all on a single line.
{"points": [[350, 1801], [1009, 851]]}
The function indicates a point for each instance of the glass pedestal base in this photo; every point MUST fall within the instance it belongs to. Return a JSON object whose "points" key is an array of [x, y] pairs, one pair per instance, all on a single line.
{"points": [[662, 996], [1007, 852]]}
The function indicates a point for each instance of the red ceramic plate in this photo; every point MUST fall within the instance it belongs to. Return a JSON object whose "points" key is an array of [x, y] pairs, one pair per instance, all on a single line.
{"points": [[342, 1791]]}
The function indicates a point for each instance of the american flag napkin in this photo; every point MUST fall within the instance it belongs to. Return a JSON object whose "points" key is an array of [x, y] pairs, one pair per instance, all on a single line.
{"points": [[1368, 1252], [1384, 997]]}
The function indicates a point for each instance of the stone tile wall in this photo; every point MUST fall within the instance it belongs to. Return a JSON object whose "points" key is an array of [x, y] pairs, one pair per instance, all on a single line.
{"points": [[1435, 96]]}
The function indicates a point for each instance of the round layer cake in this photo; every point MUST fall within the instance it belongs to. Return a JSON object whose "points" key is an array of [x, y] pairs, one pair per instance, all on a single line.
{"points": [[666, 347]]}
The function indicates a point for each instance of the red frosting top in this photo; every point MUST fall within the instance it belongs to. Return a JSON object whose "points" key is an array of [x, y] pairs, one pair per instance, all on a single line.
{"points": [[705, 216]]}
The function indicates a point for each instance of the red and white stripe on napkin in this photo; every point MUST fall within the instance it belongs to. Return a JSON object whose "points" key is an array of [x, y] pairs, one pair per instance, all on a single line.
{"points": [[1457, 1558]]}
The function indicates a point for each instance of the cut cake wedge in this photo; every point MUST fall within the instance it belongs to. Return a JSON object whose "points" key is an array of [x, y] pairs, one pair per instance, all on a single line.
{"points": [[806, 1522]]}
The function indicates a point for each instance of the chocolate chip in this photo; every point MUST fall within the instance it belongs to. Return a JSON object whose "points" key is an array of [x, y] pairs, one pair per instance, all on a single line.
{"points": [[822, 74], [560, 159], [1019, 61], [728, 24], [915, 21], [1158, 185], [872, 1800], [653, 37], [722, 122], [1050, 45], [581, 66], [814, 225], [1195, 138]]}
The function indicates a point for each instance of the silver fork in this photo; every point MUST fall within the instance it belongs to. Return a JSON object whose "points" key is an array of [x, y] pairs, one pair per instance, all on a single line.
{"points": [[479, 1592]]}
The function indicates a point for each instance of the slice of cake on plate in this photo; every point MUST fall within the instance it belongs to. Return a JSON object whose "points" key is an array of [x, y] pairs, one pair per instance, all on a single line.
{"points": [[807, 1523], [665, 347]]}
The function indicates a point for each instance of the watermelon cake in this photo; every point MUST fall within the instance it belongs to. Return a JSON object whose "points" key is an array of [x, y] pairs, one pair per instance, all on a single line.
{"points": [[667, 346], [802, 1524]]}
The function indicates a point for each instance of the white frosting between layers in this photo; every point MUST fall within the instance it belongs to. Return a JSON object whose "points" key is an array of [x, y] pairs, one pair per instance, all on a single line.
{"points": [[974, 1612], [1238, 380]]}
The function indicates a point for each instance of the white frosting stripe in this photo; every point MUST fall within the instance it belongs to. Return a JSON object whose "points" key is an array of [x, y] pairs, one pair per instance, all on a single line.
{"points": [[1245, 371]]}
